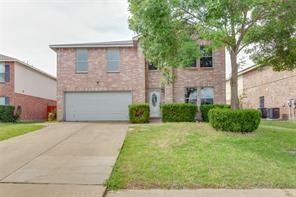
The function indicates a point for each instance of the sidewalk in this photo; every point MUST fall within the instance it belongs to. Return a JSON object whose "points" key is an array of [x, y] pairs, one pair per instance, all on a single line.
{"points": [[205, 193]]}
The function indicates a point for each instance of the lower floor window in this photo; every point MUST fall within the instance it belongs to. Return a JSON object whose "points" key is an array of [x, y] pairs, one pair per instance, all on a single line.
{"points": [[199, 95], [207, 96], [4, 100], [191, 95]]}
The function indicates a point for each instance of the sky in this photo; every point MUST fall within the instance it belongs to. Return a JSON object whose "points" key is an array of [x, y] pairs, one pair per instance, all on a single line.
{"points": [[27, 27]]}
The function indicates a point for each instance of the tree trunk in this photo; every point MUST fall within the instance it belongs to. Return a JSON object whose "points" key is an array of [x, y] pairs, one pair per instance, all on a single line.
{"points": [[233, 80]]}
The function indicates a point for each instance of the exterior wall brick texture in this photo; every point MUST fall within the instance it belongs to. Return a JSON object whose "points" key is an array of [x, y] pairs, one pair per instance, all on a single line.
{"points": [[134, 76], [276, 87]]}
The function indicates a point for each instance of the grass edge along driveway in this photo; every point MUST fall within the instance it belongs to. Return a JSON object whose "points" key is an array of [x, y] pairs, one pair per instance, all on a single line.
{"points": [[193, 155], [9, 130]]}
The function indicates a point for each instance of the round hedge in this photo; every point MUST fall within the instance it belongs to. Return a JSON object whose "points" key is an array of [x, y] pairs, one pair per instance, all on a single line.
{"points": [[139, 113], [204, 109], [240, 120]]}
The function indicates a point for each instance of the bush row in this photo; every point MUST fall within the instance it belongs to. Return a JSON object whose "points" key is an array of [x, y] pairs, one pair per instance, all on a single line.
{"points": [[173, 112], [8, 113], [178, 112], [206, 108], [240, 120]]}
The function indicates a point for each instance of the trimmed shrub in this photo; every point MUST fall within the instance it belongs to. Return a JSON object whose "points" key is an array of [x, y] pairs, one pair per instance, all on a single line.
{"points": [[206, 108], [7, 113], [178, 112], [139, 113], [52, 116], [240, 120]]}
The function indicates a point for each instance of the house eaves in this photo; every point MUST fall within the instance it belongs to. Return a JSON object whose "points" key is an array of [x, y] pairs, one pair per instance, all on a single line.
{"points": [[246, 70], [4, 58], [127, 43]]}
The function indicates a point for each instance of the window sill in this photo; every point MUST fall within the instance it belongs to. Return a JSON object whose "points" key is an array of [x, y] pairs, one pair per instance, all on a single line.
{"points": [[113, 71], [191, 68], [207, 68], [86, 72], [199, 68], [154, 70]]}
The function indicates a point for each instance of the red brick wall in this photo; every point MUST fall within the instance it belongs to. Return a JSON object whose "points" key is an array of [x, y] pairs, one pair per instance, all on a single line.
{"points": [[7, 88], [134, 76], [194, 77], [130, 78], [33, 108], [276, 87]]}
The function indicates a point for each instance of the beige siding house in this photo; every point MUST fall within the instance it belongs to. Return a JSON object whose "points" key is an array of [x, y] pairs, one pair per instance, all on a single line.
{"points": [[24, 85]]}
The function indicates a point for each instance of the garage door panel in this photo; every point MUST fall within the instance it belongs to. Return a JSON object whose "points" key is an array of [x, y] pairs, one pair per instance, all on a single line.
{"points": [[96, 106]]}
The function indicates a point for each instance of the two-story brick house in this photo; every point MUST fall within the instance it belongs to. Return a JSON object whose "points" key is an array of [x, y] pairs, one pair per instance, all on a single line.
{"points": [[24, 85], [97, 81]]}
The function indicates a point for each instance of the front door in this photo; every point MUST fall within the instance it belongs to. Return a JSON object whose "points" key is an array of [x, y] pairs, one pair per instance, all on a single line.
{"points": [[154, 103]]}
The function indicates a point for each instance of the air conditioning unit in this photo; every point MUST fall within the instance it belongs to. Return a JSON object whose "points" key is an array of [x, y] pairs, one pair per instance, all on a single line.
{"points": [[273, 113], [264, 112]]}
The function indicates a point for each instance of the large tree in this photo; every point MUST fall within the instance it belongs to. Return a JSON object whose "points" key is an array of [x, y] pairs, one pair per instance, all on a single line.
{"points": [[169, 31]]}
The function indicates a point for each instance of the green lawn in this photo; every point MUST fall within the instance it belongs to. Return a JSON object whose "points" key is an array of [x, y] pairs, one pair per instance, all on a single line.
{"points": [[193, 155], [8, 130]]}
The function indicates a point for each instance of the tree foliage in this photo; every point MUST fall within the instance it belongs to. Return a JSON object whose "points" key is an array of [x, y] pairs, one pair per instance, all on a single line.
{"points": [[169, 31]]}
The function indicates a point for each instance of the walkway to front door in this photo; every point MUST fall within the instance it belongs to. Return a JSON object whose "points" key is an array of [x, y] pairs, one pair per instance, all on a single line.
{"points": [[63, 159]]}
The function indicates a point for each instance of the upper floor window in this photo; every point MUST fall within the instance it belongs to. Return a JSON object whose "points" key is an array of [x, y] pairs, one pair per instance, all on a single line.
{"points": [[151, 66], [4, 100], [207, 96], [81, 60], [191, 95], [206, 59], [4, 72], [113, 60]]}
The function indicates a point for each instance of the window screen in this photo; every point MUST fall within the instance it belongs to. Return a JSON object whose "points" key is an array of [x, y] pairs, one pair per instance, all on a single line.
{"points": [[81, 60], [113, 59], [207, 96], [191, 95]]}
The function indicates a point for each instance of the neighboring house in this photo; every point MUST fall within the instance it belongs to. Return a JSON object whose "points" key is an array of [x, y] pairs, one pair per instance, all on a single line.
{"points": [[26, 86], [261, 87], [97, 81]]}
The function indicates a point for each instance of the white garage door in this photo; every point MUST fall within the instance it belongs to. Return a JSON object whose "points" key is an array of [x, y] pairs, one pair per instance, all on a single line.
{"points": [[96, 106]]}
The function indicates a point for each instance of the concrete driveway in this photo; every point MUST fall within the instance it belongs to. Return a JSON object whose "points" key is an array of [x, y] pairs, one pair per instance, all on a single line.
{"points": [[63, 159]]}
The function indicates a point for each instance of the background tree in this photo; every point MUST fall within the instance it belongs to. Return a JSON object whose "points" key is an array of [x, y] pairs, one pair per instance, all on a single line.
{"points": [[169, 30]]}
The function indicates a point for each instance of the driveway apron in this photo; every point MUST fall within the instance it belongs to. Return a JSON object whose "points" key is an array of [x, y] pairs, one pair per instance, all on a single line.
{"points": [[63, 159]]}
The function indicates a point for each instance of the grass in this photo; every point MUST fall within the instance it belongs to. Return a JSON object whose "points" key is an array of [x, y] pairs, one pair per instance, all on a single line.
{"points": [[8, 130], [193, 155]]}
